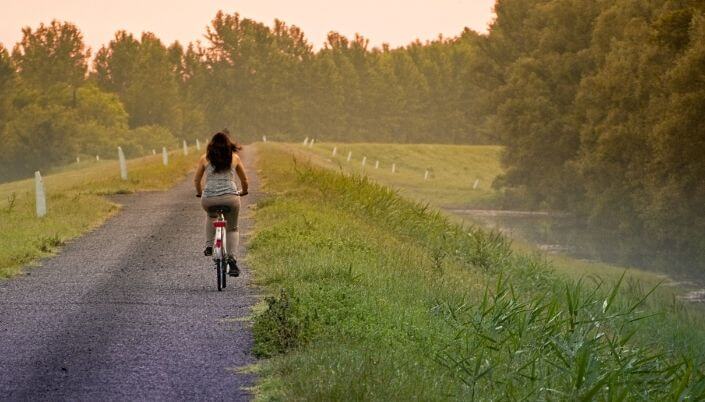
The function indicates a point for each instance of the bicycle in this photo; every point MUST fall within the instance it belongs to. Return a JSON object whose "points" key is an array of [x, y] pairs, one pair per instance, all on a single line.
{"points": [[220, 245]]}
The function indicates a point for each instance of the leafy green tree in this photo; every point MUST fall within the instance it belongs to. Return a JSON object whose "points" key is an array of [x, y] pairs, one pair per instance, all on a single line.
{"points": [[51, 54], [675, 180], [52, 127], [144, 76], [234, 57], [325, 104], [615, 145], [415, 96], [40, 133], [8, 84], [114, 64], [192, 77], [478, 77], [384, 99], [534, 117]]}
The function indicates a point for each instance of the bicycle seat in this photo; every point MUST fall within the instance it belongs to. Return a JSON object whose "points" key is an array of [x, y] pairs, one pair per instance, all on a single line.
{"points": [[219, 208]]}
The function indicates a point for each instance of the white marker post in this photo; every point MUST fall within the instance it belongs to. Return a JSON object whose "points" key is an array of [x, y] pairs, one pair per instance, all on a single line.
{"points": [[305, 141], [41, 201], [123, 164], [335, 151], [476, 184], [425, 175], [264, 138], [349, 155], [198, 145], [78, 159], [97, 158], [310, 144], [377, 165], [364, 161], [185, 148], [165, 157], [394, 167]]}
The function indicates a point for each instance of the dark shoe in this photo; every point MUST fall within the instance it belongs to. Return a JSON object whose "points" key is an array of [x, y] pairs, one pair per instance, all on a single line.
{"points": [[208, 251], [234, 270]]}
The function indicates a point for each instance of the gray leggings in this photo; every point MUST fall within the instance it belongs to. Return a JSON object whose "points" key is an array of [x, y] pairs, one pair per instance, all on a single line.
{"points": [[233, 236]]}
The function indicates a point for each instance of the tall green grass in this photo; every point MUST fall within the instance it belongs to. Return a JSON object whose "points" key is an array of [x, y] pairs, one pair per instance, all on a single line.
{"points": [[378, 298], [75, 204]]}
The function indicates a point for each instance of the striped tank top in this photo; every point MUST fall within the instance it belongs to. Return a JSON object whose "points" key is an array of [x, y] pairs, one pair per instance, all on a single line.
{"points": [[219, 183]]}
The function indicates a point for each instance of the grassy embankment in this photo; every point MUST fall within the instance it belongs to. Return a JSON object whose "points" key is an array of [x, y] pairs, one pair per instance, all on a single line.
{"points": [[378, 298], [75, 204], [455, 168]]}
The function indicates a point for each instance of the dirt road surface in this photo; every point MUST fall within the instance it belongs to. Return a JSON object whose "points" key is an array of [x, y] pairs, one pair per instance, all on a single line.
{"points": [[130, 311]]}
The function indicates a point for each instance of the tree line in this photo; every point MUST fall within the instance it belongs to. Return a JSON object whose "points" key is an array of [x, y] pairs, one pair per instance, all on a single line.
{"points": [[59, 100]]}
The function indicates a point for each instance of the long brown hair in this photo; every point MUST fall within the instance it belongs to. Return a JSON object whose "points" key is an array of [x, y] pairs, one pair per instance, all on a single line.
{"points": [[220, 151]]}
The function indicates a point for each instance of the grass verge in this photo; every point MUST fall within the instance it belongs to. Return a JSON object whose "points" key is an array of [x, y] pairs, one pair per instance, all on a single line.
{"points": [[75, 204], [378, 298]]}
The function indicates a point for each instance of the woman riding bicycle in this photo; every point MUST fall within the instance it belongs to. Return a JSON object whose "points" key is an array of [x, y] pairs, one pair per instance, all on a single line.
{"points": [[220, 164]]}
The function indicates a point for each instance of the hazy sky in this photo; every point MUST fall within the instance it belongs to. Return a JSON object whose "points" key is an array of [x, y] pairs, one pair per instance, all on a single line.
{"points": [[393, 21]]}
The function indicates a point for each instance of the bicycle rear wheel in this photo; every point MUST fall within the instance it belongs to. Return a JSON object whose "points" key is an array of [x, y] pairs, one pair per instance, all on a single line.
{"points": [[219, 268], [224, 274]]}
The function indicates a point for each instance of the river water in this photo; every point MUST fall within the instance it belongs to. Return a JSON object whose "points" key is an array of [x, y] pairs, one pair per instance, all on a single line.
{"points": [[564, 234]]}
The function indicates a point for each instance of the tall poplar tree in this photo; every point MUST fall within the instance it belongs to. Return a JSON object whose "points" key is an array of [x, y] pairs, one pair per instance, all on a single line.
{"points": [[51, 54]]}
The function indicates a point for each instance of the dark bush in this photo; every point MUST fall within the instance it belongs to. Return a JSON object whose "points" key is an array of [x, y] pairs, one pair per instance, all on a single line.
{"points": [[281, 327]]}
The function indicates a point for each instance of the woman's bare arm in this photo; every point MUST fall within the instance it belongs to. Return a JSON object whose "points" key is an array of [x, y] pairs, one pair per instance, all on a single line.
{"points": [[198, 177], [240, 170]]}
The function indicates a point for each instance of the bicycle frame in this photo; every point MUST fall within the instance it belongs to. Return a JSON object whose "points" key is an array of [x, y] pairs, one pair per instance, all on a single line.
{"points": [[220, 240]]}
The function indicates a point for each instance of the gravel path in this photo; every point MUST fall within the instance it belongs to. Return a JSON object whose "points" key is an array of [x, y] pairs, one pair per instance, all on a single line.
{"points": [[130, 311]]}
